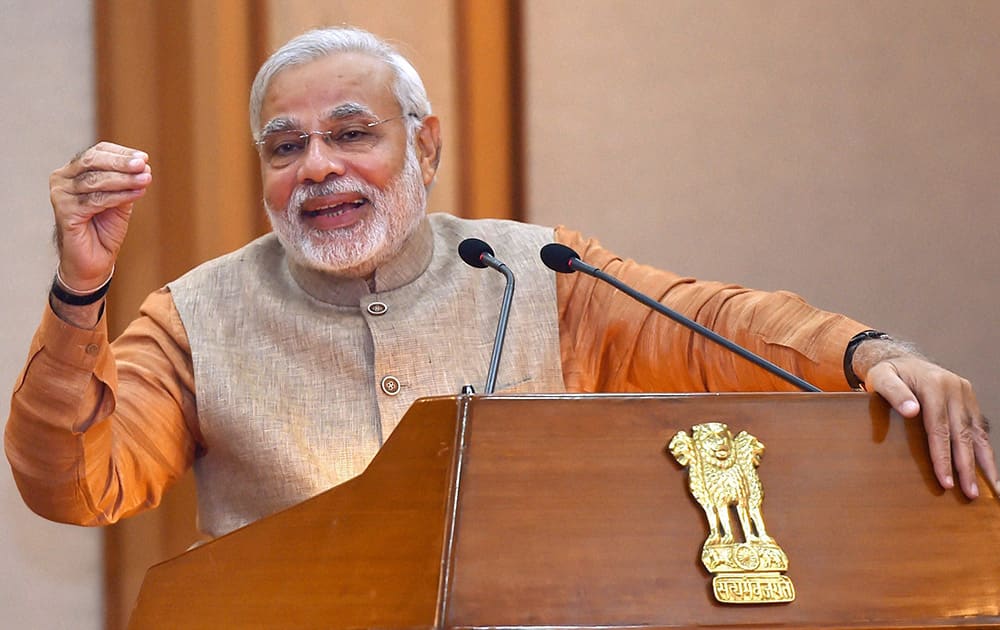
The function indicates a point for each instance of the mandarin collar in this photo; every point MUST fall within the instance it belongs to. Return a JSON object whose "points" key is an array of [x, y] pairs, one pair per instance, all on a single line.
{"points": [[403, 268]]}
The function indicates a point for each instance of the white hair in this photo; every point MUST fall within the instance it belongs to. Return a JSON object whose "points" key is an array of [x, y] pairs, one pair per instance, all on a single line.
{"points": [[407, 87]]}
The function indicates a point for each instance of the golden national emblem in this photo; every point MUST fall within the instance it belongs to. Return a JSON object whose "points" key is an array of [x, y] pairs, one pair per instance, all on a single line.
{"points": [[722, 474]]}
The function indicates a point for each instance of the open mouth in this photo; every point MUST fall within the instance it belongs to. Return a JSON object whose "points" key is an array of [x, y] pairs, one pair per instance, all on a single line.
{"points": [[335, 210]]}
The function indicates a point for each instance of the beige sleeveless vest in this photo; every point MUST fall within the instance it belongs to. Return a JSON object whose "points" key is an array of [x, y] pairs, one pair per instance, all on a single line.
{"points": [[298, 388]]}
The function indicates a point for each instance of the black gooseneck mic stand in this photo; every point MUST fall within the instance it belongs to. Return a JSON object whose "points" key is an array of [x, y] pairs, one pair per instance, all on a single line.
{"points": [[477, 253], [563, 259]]}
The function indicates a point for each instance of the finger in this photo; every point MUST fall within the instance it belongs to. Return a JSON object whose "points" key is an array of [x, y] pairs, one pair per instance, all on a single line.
{"points": [[103, 199], [111, 147], [116, 148], [962, 445], [95, 181], [105, 157], [884, 379], [985, 455], [939, 437]]}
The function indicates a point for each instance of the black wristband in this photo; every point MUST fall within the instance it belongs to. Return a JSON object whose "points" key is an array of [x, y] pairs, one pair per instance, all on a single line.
{"points": [[852, 379], [66, 297]]}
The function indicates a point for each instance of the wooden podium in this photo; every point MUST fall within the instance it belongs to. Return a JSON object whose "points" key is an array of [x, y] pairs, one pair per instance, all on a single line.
{"points": [[567, 511]]}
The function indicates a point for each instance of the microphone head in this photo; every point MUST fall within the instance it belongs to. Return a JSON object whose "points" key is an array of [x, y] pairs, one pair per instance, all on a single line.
{"points": [[472, 249], [559, 257]]}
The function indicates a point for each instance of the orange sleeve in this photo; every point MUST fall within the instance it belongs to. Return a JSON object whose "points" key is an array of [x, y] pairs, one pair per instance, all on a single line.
{"points": [[612, 343], [98, 431]]}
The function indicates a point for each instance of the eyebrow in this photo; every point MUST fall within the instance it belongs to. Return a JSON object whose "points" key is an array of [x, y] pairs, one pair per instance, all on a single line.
{"points": [[340, 112], [279, 124], [347, 110]]}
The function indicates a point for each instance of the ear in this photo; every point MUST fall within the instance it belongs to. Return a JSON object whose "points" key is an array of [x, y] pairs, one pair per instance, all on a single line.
{"points": [[428, 145]]}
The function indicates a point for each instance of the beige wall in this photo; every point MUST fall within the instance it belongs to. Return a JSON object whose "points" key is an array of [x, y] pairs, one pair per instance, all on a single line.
{"points": [[845, 150], [50, 576]]}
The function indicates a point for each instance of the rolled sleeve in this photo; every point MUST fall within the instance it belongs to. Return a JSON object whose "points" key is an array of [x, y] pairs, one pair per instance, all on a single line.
{"points": [[99, 430]]}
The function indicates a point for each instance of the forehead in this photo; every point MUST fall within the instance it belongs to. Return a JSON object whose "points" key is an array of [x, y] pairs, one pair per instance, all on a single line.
{"points": [[309, 92]]}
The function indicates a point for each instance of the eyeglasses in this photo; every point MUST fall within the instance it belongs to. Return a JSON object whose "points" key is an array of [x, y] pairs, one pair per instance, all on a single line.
{"points": [[282, 148]]}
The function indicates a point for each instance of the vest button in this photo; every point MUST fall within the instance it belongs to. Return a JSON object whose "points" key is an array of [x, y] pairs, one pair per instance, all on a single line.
{"points": [[378, 308], [390, 385]]}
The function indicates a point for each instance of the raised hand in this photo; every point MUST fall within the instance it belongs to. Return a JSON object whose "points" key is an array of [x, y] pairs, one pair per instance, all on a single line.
{"points": [[92, 197]]}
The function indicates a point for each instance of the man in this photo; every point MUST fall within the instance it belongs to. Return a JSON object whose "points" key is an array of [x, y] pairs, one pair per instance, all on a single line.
{"points": [[277, 371]]}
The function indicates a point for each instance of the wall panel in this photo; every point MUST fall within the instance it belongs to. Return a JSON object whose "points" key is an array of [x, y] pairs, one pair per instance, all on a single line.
{"points": [[844, 150], [50, 576]]}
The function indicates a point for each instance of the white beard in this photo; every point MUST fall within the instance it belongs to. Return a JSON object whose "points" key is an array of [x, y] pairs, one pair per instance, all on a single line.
{"points": [[356, 250]]}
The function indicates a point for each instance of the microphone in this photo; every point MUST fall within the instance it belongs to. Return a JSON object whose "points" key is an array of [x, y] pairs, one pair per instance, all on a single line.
{"points": [[479, 254], [563, 259]]}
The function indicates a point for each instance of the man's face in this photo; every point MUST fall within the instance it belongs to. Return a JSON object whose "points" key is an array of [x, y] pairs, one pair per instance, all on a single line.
{"points": [[346, 204]]}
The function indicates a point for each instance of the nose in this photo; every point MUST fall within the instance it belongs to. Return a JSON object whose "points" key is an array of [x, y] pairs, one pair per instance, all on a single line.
{"points": [[320, 161]]}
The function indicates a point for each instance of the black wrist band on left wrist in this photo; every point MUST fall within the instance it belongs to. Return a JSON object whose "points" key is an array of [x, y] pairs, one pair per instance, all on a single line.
{"points": [[853, 381]]}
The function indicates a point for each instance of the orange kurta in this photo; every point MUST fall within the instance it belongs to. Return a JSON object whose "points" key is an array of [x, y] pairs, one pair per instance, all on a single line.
{"points": [[99, 430]]}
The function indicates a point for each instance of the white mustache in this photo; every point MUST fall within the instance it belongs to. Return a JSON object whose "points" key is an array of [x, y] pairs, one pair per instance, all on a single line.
{"points": [[304, 192]]}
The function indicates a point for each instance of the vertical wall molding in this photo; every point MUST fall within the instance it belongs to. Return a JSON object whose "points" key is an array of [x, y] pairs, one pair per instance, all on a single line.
{"points": [[488, 57]]}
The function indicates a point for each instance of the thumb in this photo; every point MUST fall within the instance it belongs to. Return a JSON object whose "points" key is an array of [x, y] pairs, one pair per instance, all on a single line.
{"points": [[884, 379]]}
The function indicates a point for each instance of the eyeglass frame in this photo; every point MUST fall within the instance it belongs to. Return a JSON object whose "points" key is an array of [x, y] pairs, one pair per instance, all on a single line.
{"points": [[327, 135]]}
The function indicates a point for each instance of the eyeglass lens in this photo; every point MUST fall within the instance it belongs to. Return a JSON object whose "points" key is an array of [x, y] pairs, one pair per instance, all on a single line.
{"points": [[281, 148]]}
